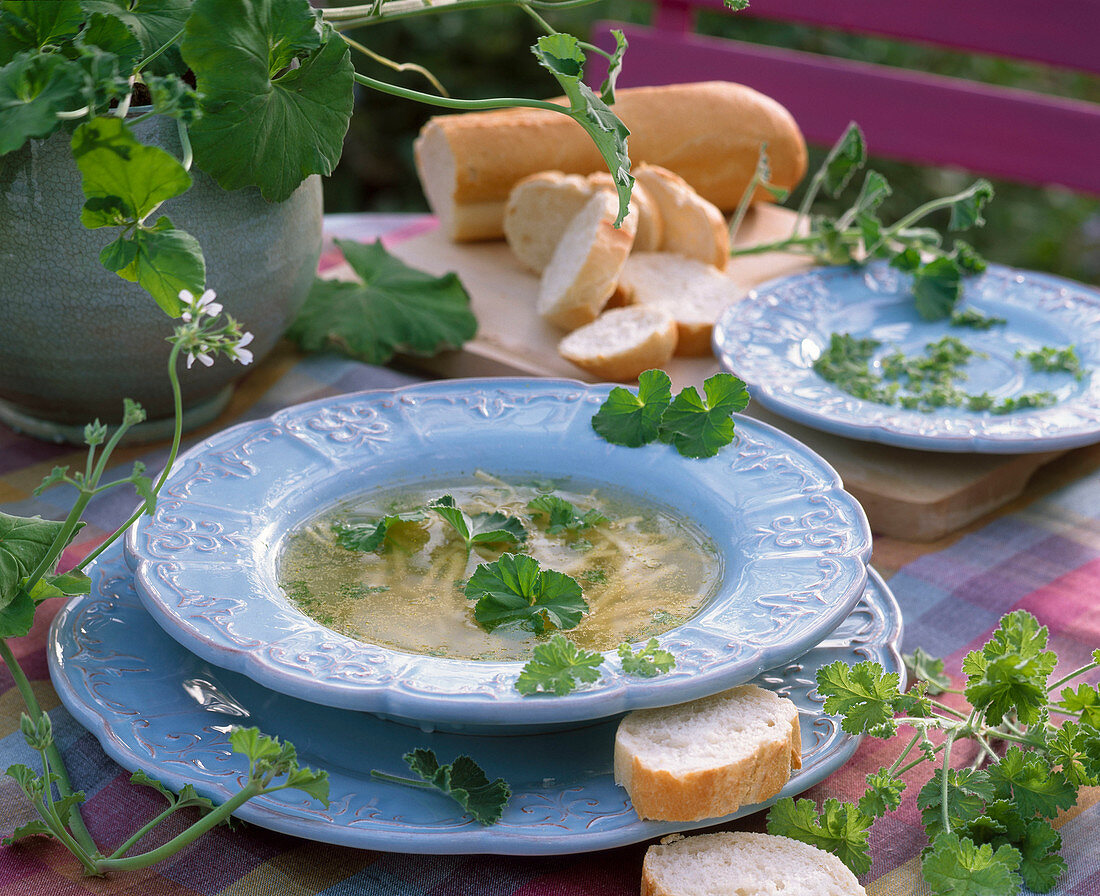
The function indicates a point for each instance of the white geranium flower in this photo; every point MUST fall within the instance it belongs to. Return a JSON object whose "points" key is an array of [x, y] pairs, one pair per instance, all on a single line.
{"points": [[196, 308], [239, 352]]}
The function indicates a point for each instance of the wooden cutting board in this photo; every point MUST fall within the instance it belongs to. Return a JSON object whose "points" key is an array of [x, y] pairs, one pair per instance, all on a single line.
{"points": [[913, 495]]}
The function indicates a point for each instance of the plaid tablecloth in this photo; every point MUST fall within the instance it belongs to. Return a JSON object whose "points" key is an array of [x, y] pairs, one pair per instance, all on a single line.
{"points": [[1041, 554]]}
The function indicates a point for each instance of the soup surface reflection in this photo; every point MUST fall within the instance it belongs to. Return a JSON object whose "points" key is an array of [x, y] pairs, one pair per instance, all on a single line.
{"points": [[643, 572]]}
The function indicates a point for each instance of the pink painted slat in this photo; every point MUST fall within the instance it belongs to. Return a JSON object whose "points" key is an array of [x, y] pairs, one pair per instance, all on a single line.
{"points": [[1063, 33], [906, 115]]}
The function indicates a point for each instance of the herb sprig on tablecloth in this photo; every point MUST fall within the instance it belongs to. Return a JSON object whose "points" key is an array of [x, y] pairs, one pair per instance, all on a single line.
{"points": [[989, 823]]}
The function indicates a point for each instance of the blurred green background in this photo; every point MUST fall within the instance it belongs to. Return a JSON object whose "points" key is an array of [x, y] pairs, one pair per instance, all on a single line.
{"points": [[485, 52]]}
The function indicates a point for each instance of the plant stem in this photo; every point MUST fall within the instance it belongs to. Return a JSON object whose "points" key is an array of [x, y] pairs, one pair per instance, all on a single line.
{"points": [[397, 779], [145, 829], [1066, 679], [943, 781], [64, 785], [451, 103], [901, 758], [159, 50], [185, 145], [372, 14], [397, 66], [177, 436], [793, 243], [200, 827]]}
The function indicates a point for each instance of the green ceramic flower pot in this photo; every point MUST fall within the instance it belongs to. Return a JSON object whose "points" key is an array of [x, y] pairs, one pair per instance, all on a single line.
{"points": [[75, 339]]}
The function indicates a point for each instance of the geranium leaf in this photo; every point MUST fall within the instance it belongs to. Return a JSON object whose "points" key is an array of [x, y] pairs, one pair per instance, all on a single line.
{"points": [[33, 89], [24, 543], [630, 419], [514, 589], [393, 309], [267, 123], [561, 55], [152, 22], [123, 179], [697, 428], [31, 24], [162, 260], [556, 667]]}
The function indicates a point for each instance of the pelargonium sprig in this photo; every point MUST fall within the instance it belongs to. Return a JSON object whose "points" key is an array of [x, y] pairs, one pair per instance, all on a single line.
{"points": [[202, 336], [989, 824]]}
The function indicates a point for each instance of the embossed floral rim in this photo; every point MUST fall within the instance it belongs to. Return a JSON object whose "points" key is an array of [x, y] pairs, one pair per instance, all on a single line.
{"points": [[772, 337], [793, 544], [155, 707]]}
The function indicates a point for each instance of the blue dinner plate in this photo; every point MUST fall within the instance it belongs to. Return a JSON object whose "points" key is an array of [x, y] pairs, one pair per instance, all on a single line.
{"points": [[157, 707], [793, 545], [772, 337]]}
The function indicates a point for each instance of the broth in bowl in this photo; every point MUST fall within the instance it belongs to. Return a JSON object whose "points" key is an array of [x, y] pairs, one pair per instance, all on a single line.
{"points": [[643, 571]]}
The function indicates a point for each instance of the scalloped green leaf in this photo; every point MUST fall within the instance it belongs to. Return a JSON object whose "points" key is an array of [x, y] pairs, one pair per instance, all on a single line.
{"points": [[266, 123]]}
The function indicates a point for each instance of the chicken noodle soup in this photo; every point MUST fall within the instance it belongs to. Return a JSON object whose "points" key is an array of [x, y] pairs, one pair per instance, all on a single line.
{"points": [[643, 572]]}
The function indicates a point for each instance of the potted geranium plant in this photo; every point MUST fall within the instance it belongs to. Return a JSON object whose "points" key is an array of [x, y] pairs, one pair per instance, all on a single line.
{"points": [[254, 94], [176, 145]]}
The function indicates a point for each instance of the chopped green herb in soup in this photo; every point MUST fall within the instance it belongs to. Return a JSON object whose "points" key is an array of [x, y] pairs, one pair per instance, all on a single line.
{"points": [[391, 568]]}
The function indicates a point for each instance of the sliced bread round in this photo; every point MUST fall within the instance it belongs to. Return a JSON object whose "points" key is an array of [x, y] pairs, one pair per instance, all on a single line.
{"points": [[693, 292], [649, 227], [709, 757], [539, 209], [621, 343], [744, 864], [585, 266], [692, 226]]}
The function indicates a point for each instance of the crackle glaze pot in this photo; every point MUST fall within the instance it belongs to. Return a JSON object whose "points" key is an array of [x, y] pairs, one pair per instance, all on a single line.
{"points": [[75, 338]]}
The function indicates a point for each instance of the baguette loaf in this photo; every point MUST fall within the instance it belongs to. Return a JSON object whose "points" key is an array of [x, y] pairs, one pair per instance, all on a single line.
{"points": [[744, 864], [584, 269], [709, 133], [709, 757], [694, 293], [621, 343]]}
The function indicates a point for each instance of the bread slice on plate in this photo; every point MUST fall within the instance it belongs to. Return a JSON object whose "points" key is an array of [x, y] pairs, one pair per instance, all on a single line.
{"points": [[709, 757], [693, 292], [693, 226], [744, 864], [585, 266], [621, 343]]}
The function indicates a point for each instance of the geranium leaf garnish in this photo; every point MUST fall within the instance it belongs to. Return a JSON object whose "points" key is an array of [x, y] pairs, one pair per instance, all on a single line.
{"points": [[697, 428], [479, 528], [515, 590], [557, 666], [372, 536], [630, 419], [650, 660], [562, 516], [463, 780]]}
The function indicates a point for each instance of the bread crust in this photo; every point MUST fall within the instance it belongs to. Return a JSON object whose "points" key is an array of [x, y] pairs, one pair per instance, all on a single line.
{"points": [[716, 789], [709, 133], [693, 292], [575, 287], [746, 863], [693, 227], [541, 207], [615, 358]]}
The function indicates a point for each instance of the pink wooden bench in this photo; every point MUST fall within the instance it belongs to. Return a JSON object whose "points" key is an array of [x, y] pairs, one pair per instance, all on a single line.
{"points": [[914, 116]]}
